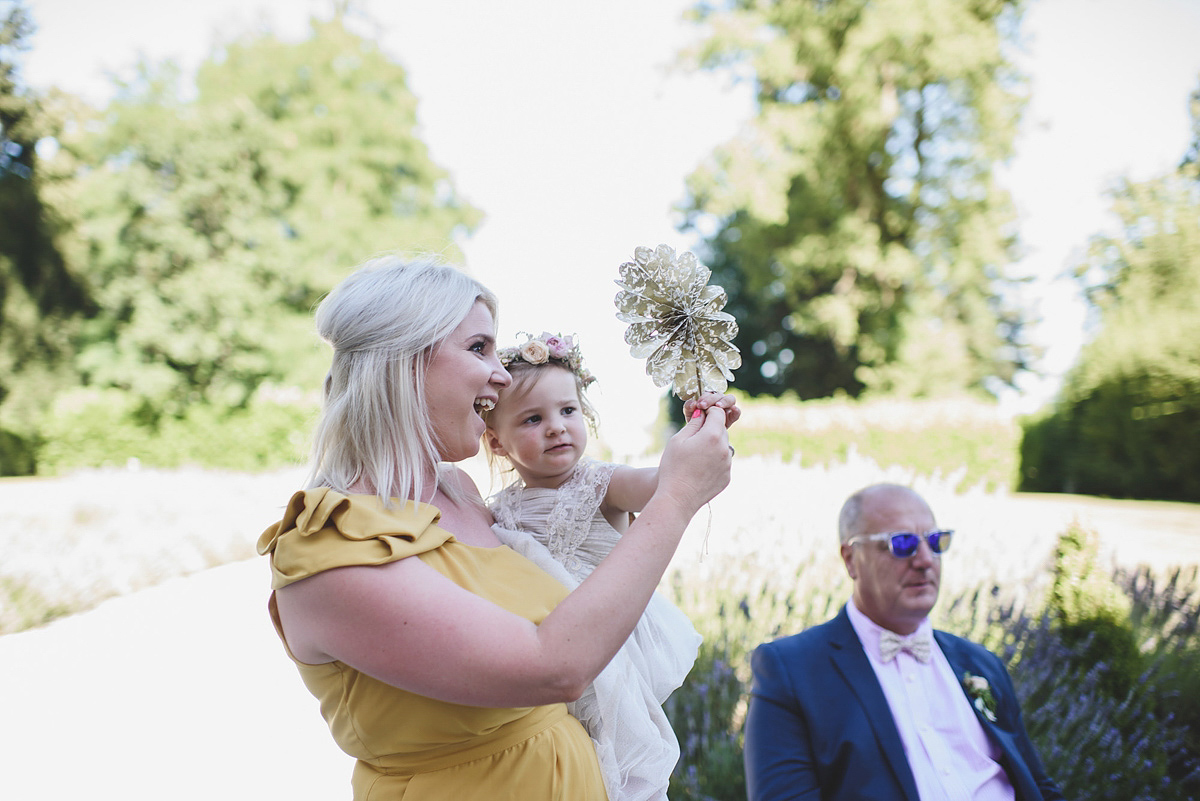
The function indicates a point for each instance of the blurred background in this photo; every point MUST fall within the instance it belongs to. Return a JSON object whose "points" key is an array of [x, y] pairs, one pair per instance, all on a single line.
{"points": [[961, 240], [936, 205]]}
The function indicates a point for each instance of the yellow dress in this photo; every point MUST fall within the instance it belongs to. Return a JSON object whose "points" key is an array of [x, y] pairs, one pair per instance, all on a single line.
{"points": [[409, 746]]}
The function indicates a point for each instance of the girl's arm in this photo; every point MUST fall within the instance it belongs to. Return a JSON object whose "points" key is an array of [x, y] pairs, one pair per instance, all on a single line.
{"points": [[629, 490], [408, 625]]}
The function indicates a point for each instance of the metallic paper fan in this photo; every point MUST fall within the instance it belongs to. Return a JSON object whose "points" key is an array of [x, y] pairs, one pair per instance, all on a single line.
{"points": [[676, 323]]}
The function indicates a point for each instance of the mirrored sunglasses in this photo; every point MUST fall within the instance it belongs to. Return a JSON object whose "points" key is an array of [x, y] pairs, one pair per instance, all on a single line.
{"points": [[904, 544]]}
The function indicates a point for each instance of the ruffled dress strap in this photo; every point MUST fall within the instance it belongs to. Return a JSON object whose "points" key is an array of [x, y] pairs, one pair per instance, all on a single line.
{"points": [[323, 529]]}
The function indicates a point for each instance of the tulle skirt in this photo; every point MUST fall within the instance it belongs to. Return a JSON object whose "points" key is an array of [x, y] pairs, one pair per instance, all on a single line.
{"points": [[622, 710]]}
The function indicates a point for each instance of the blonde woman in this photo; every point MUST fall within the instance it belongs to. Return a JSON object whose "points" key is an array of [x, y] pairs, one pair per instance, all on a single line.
{"points": [[442, 659]]}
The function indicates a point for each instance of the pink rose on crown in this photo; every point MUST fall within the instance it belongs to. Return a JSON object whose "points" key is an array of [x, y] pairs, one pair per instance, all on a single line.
{"points": [[558, 347]]}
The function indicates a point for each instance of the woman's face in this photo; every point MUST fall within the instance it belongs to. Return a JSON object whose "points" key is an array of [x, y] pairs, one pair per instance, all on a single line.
{"points": [[464, 373]]}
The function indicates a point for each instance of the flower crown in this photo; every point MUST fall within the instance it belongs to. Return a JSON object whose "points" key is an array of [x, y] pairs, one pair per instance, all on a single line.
{"points": [[541, 349]]}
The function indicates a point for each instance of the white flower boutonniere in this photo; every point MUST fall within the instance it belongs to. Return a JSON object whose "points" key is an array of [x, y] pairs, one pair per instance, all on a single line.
{"points": [[980, 693]]}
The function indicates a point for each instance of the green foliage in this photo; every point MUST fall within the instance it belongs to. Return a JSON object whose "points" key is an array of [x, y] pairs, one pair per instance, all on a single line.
{"points": [[107, 428], [1128, 417], [1097, 743], [1106, 643], [16, 455], [206, 223], [706, 711], [41, 297], [1165, 615], [964, 438], [856, 224], [1092, 614], [1080, 591]]}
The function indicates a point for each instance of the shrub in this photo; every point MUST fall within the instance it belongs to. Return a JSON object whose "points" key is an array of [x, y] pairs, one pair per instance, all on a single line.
{"points": [[961, 437], [16, 455], [1092, 615], [105, 429], [1096, 744], [1166, 619], [1105, 645], [706, 715], [1129, 436]]}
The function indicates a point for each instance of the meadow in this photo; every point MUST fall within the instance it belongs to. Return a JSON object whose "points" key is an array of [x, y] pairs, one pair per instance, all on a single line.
{"points": [[1094, 605]]}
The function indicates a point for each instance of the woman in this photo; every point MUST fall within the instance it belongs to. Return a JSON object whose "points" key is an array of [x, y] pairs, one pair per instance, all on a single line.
{"points": [[442, 660]]}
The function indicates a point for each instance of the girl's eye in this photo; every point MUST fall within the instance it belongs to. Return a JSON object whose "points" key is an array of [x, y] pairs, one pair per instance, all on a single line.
{"points": [[568, 410], [534, 419]]}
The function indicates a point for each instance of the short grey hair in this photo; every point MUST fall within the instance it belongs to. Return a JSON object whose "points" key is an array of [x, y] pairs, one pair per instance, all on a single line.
{"points": [[850, 518], [384, 321]]}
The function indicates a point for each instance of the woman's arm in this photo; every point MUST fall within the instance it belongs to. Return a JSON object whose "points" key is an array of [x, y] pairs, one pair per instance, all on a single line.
{"points": [[406, 624]]}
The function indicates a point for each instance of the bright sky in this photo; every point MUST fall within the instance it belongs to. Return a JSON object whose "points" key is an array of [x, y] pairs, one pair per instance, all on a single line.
{"points": [[561, 121]]}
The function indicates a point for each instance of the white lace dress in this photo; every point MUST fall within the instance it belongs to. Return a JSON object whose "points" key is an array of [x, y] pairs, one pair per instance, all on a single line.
{"points": [[563, 531]]}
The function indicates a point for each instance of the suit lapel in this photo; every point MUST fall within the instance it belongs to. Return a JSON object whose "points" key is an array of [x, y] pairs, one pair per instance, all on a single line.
{"points": [[850, 660]]}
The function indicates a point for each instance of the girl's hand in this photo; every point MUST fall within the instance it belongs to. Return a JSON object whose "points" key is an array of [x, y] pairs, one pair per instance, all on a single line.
{"points": [[727, 403]]}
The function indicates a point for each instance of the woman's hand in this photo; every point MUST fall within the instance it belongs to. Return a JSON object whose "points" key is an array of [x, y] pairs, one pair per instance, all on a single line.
{"points": [[695, 464], [708, 400]]}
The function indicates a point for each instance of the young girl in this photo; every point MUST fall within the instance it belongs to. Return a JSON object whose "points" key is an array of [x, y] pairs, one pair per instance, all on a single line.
{"points": [[565, 513]]}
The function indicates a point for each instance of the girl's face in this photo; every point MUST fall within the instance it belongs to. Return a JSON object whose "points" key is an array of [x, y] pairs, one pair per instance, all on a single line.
{"points": [[542, 432], [463, 373]]}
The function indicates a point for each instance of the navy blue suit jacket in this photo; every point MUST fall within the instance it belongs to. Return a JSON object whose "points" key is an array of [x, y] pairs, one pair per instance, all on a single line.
{"points": [[819, 726]]}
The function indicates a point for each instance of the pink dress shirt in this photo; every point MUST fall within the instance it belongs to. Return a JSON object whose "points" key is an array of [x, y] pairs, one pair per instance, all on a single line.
{"points": [[949, 753]]}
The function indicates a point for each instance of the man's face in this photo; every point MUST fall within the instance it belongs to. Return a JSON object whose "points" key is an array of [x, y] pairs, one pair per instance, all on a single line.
{"points": [[897, 594]]}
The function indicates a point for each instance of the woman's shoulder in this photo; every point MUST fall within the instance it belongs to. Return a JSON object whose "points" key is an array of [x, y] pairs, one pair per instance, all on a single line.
{"points": [[322, 529]]}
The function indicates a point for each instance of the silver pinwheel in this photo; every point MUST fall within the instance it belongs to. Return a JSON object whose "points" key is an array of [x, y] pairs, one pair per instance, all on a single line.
{"points": [[676, 323]]}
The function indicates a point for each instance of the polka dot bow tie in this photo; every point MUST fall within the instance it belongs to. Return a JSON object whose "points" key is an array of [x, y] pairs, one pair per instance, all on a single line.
{"points": [[919, 645]]}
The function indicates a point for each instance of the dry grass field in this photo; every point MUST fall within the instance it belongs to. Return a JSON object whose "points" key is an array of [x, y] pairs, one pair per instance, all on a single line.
{"points": [[172, 683]]}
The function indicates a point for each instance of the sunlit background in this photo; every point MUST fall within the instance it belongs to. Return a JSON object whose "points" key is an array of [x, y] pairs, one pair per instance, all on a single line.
{"points": [[566, 124], [139, 661]]}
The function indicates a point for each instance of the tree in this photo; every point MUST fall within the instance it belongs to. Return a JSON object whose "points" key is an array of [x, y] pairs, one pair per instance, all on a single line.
{"points": [[855, 223], [208, 227], [1127, 421], [41, 300]]}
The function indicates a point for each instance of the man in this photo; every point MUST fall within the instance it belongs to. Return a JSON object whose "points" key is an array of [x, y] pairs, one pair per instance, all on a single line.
{"points": [[849, 710]]}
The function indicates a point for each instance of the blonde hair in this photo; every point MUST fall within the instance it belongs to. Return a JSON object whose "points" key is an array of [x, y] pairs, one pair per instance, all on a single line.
{"points": [[384, 322]]}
